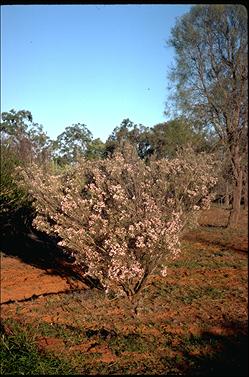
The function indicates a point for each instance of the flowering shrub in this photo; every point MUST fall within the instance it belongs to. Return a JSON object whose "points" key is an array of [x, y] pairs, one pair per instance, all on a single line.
{"points": [[122, 218]]}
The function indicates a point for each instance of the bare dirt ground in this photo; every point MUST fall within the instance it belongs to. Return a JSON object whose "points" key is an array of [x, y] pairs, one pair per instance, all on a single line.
{"points": [[20, 280], [192, 321], [213, 230]]}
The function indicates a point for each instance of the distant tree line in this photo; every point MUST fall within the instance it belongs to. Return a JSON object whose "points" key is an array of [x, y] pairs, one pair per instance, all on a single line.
{"points": [[28, 142], [23, 141]]}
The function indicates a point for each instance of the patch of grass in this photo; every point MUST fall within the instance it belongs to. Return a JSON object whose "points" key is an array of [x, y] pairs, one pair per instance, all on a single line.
{"points": [[126, 365], [19, 355], [185, 263], [188, 295], [70, 334], [128, 343], [192, 341], [173, 365], [163, 289], [210, 257]]}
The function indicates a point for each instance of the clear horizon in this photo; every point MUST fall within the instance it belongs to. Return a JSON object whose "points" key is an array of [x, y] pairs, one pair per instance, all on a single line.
{"points": [[90, 64]]}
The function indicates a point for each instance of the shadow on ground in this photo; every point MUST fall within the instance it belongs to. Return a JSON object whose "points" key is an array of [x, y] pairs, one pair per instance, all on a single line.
{"points": [[228, 355], [20, 239]]}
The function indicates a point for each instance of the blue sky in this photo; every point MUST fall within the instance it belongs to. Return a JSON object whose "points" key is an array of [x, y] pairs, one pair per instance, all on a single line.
{"points": [[91, 64]]}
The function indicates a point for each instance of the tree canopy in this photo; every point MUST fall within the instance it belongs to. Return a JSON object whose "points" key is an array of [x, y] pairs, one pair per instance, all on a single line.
{"points": [[167, 137], [72, 143], [135, 134], [24, 137], [210, 78]]}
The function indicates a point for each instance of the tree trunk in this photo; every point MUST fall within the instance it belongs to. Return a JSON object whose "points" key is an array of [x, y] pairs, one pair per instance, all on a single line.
{"points": [[227, 196], [246, 201], [245, 191], [237, 192]]}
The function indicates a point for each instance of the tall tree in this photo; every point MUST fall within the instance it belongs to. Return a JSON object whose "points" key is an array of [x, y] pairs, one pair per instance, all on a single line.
{"points": [[22, 142], [72, 143], [166, 138], [135, 134], [211, 79], [14, 133], [23, 137], [95, 150]]}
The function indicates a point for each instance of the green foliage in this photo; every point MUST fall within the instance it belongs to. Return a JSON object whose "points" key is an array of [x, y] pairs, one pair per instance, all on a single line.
{"points": [[15, 123], [211, 69], [136, 135], [19, 355], [72, 143], [166, 138], [210, 74], [24, 137], [22, 142], [12, 196], [95, 150], [162, 140], [210, 80]]}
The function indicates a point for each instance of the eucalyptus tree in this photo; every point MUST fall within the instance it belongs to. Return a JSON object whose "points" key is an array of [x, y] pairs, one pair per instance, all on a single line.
{"points": [[72, 143], [23, 137], [210, 79], [165, 138], [135, 134], [95, 149], [22, 142]]}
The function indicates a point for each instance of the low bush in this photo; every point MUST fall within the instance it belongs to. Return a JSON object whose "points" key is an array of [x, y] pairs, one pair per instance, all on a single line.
{"points": [[122, 217]]}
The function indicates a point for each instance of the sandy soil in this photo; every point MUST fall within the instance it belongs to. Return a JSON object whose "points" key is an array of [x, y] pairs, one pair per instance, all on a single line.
{"points": [[20, 281]]}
